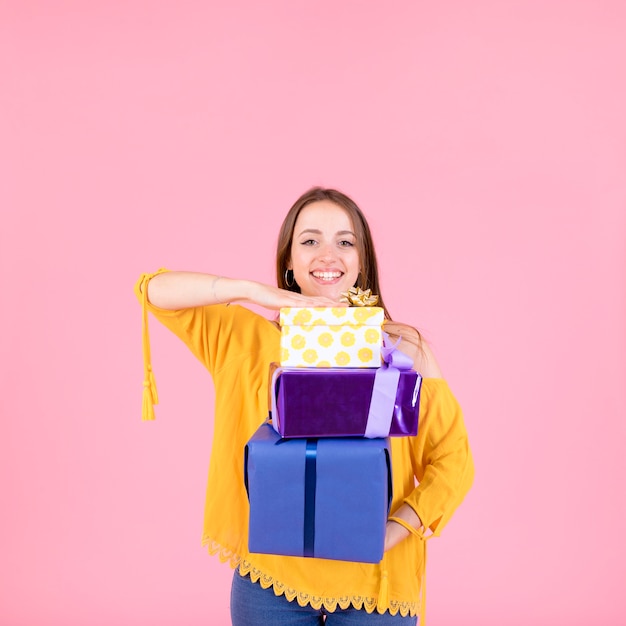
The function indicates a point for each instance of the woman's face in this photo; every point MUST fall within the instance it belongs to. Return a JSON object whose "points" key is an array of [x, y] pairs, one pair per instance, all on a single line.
{"points": [[324, 256]]}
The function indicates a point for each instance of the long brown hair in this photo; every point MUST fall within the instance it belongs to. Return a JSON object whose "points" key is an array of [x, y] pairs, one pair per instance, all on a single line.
{"points": [[368, 276]]}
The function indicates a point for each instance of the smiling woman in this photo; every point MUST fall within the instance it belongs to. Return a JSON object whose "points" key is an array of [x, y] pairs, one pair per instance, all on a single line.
{"points": [[324, 259], [352, 232], [324, 248]]}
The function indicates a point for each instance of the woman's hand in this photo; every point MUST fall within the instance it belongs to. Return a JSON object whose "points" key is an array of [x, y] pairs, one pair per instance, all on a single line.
{"points": [[275, 298], [395, 532], [181, 290]]}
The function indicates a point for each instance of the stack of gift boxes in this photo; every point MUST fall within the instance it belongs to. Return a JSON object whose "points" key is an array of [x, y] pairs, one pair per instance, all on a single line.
{"points": [[319, 475]]}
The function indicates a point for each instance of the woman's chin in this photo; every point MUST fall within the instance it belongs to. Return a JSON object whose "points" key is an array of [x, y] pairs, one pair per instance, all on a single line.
{"points": [[333, 292]]}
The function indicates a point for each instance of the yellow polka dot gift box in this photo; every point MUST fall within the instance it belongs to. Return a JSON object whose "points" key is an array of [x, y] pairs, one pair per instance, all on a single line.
{"points": [[331, 336]]}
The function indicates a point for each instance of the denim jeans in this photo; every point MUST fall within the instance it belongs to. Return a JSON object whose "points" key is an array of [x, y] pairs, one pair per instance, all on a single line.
{"points": [[251, 605]]}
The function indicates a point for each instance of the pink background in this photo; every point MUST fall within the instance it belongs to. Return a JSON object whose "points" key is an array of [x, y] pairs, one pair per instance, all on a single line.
{"points": [[485, 140]]}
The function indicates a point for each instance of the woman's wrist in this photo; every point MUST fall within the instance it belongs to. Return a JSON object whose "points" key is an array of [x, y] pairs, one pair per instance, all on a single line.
{"points": [[396, 531], [223, 290], [216, 279]]}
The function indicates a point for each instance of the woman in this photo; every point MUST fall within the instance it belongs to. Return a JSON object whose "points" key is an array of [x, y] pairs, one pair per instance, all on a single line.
{"points": [[324, 248]]}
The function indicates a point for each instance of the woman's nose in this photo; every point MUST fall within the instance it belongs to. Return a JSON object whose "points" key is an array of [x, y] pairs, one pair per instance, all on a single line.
{"points": [[327, 253]]}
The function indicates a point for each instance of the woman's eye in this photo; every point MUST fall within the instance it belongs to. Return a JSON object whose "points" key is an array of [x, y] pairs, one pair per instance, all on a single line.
{"points": [[308, 242], [346, 244]]}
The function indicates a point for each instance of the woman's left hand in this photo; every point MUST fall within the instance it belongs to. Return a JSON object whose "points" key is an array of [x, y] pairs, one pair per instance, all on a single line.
{"points": [[395, 533]]}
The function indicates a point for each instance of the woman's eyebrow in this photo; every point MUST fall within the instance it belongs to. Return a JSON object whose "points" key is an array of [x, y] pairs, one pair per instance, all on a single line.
{"points": [[316, 231]]}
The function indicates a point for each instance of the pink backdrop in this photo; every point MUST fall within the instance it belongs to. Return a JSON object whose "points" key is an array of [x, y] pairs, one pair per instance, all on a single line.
{"points": [[485, 141]]}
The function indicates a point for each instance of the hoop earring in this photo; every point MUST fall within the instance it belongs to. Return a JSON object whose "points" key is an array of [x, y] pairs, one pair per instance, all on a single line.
{"points": [[293, 280]]}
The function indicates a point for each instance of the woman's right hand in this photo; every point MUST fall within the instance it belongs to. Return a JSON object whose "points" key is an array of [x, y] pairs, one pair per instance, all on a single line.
{"points": [[181, 290], [275, 298]]}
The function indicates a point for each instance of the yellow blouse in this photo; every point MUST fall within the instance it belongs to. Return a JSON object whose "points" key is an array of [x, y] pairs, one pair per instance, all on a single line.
{"points": [[237, 345]]}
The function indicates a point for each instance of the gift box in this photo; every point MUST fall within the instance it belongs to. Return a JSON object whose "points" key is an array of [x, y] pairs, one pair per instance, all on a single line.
{"points": [[324, 498], [310, 402], [331, 336]]}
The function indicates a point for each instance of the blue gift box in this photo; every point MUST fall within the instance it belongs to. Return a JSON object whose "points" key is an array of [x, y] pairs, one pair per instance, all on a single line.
{"points": [[326, 498]]}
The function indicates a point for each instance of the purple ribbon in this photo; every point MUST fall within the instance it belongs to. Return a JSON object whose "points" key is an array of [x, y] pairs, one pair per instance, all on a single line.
{"points": [[273, 407], [385, 388]]}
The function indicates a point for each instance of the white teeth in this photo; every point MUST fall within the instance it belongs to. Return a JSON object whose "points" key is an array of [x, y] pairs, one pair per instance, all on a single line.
{"points": [[327, 275]]}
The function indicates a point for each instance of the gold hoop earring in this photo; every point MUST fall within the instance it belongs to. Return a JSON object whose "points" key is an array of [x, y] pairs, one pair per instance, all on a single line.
{"points": [[293, 279]]}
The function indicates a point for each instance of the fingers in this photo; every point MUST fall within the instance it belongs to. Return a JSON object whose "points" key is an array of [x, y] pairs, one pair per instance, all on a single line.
{"points": [[312, 301], [276, 298], [316, 301]]}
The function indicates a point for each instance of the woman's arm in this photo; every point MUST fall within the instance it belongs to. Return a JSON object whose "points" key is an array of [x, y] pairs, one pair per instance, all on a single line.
{"points": [[181, 290], [395, 532], [443, 450], [414, 345]]}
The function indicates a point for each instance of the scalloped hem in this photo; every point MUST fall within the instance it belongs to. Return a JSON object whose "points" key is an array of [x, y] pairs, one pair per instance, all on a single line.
{"points": [[225, 555], [370, 604]]}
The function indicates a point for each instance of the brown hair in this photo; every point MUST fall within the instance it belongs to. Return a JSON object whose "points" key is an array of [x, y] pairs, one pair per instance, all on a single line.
{"points": [[368, 277]]}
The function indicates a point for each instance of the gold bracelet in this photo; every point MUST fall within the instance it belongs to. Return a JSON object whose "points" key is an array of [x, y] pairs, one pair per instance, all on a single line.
{"points": [[406, 525]]}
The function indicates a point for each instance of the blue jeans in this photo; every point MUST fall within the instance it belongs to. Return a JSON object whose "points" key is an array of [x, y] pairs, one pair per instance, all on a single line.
{"points": [[251, 605]]}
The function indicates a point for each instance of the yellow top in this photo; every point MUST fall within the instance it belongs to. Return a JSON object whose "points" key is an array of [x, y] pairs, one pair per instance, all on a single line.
{"points": [[237, 345]]}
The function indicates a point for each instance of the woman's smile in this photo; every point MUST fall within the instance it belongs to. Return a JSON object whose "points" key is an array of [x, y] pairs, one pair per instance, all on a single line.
{"points": [[327, 277]]}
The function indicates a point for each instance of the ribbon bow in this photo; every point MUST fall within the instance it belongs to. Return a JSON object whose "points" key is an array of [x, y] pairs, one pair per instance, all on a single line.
{"points": [[355, 296], [385, 388]]}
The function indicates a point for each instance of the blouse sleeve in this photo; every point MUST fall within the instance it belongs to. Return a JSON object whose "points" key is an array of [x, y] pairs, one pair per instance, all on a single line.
{"points": [[441, 457], [208, 331]]}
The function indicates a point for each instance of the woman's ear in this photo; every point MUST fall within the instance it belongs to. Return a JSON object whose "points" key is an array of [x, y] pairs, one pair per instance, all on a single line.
{"points": [[289, 265]]}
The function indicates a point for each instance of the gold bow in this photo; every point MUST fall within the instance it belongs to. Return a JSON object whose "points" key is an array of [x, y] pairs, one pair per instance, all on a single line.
{"points": [[355, 296]]}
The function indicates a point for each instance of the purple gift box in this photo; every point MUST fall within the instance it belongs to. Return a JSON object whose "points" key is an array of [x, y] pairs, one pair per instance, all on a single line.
{"points": [[317, 402], [324, 498]]}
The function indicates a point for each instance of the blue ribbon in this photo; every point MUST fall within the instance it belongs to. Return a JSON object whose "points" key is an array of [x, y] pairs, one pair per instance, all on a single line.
{"points": [[310, 480]]}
